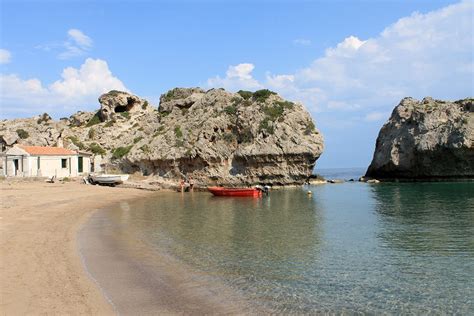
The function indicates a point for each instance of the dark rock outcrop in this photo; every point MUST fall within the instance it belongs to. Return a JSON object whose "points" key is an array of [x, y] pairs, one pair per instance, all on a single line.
{"points": [[431, 139]]}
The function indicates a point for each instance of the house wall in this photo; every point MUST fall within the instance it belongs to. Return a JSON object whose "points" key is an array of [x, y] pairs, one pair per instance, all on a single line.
{"points": [[9, 164], [49, 166]]}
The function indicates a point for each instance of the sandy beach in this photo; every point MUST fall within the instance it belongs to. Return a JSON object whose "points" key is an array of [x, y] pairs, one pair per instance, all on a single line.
{"points": [[41, 270]]}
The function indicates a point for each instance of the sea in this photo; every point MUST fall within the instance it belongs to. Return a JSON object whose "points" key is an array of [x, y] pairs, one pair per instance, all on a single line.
{"points": [[354, 248]]}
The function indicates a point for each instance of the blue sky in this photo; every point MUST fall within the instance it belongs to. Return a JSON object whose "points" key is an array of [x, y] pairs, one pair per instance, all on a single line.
{"points": [[348, 62]]}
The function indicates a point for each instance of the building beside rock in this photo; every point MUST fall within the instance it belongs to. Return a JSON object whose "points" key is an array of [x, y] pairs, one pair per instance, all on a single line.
{"points": [[428, 139], [215, 136], [39, 161]]}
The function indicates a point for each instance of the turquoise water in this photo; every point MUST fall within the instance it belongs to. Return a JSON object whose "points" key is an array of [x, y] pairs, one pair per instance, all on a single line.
{"points": [[353, 247]]}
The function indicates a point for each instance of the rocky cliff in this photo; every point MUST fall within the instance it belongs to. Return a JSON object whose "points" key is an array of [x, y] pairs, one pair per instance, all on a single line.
{"points": [[215, 136], [424, 140]]}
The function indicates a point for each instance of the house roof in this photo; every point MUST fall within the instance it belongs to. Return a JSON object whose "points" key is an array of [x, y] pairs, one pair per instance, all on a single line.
{"points": [[47, 151]]}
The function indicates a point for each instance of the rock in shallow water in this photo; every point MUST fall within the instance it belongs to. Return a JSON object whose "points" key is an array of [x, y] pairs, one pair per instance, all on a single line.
{"points": [[431, 139]]}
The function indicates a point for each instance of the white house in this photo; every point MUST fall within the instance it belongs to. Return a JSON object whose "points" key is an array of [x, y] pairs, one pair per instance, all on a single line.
{"points": [[38, 161]]}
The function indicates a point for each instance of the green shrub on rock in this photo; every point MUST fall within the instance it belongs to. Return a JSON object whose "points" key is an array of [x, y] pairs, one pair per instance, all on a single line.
{"points": [[230, 110], [22, 133], [77, 142], [97, 149], [245, 94], [94, 120], [120, 152], [178, 132], [262, 95]]}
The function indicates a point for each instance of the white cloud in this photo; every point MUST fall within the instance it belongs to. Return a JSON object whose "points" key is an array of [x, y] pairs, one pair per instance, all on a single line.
{"points": [[78, 89], [5, 56], [80, 38], [78, 44], [302, 42], [419, 55], [237, 77]]}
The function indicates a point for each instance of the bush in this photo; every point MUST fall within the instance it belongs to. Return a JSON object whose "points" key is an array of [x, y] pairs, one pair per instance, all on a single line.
{"points": [[109, 123], [309, 127], [22, 133], [125, 115], [177, 132], [94, 120], [136, 140], [285, 104], [77, 142], [262, 95], [228, 137], [91, 133], [44, 118], [231, 109], [120, 152], [245, 136], [273, 112], [96, 149], [170, 95], [266, 125], [145, 105], [245, 94]]}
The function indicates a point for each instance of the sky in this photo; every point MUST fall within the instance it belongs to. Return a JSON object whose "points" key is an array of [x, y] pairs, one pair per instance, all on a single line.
{"points": [[349, 62]]}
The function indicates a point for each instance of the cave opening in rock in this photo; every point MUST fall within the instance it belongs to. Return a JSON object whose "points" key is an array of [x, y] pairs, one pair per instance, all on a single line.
{"points": [[125, 108]]}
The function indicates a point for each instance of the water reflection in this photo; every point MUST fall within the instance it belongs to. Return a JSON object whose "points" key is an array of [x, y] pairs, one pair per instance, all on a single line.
{"points": [[430, 217], [353, 247]]}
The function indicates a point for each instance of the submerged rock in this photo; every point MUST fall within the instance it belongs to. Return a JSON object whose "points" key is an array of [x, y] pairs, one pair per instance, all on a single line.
{"points": [[426, 140]]}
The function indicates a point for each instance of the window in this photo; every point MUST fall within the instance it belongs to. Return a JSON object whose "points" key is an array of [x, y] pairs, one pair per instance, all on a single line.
{"points": [[39, 163], [63, 163]]}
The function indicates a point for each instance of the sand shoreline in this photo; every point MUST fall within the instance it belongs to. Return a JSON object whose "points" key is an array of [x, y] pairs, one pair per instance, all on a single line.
{"points": [[42, 271]]}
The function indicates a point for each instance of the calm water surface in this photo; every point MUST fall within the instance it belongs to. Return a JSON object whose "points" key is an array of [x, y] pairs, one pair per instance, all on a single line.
{"points": [[353, 247]]}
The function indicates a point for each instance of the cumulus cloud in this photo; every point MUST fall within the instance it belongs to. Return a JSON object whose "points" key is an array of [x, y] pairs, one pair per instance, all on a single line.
{"points": [[5, 56], [236, 78], [419, 55], [77, 89]]}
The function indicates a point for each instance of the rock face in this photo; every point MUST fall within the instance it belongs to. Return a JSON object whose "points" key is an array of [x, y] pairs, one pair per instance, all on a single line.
{"points": [[119, 102], [215, 136], [224, 138], [424, 140]]}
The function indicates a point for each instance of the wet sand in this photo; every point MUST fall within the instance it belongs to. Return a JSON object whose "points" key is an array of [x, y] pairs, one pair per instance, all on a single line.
{"points": [[140, 280], [41, 269]]}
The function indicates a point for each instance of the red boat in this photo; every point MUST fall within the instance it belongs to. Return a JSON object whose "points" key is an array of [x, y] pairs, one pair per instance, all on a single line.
{"points": [[221, 191]]}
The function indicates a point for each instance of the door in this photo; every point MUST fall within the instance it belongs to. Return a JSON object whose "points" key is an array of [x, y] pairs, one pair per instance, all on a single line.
{"points": [[79, 164], [15, 163]]}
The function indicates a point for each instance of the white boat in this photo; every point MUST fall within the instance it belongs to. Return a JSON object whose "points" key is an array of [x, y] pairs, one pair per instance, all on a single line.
{"points": [[108, 178]]}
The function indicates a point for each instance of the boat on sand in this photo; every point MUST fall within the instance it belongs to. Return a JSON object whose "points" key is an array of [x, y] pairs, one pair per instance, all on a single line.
{"points": [[109, 179], [222, 191]]}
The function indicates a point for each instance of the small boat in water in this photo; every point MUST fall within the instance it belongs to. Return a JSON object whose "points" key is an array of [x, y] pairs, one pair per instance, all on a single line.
{"points": [[222, 191], [110, 179]]}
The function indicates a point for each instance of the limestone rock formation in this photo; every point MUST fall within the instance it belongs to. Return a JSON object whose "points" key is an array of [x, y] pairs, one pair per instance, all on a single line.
{"points": [[225, 138], [215, 136], [424, 140], [119, 102]]}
